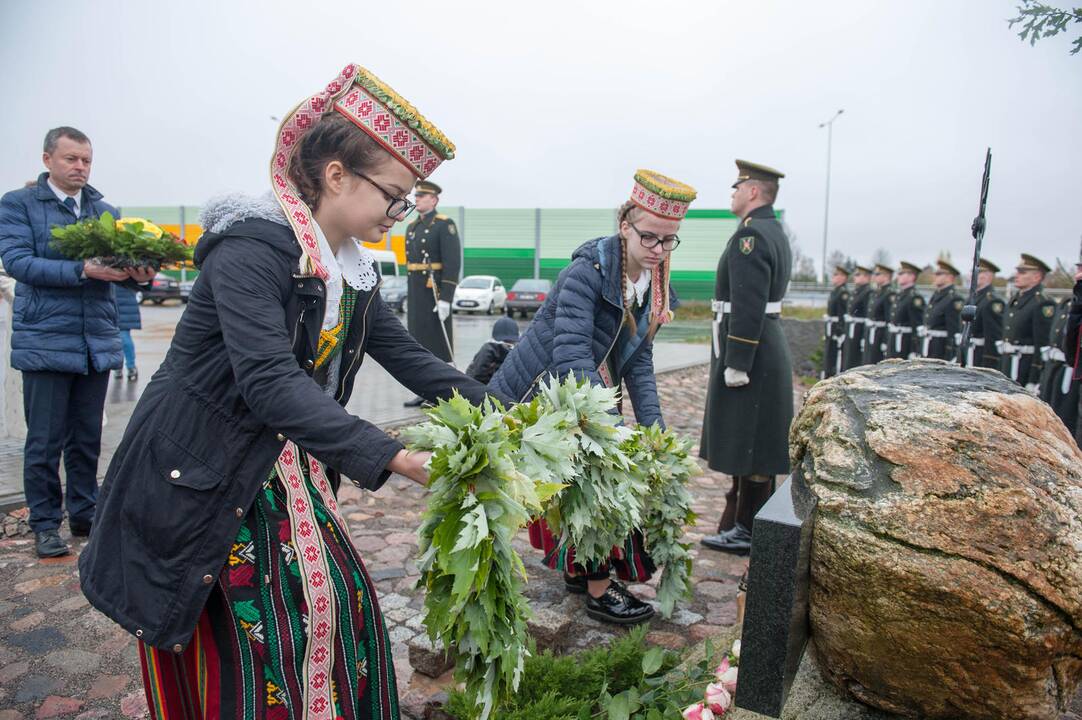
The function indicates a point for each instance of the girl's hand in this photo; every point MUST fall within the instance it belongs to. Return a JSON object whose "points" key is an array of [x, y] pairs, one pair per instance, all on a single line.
{"points": [[411, 465]]}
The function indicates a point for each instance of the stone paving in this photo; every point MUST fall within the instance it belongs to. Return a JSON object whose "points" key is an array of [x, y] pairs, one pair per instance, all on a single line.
{"points": [[60, 658]]}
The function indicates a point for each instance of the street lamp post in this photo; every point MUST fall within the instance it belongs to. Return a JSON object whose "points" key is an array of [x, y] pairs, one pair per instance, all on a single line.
{"points": [[829, 125]]}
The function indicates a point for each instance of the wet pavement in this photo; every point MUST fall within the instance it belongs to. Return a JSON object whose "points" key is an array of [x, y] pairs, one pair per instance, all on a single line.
{"points": [[377, 396]]}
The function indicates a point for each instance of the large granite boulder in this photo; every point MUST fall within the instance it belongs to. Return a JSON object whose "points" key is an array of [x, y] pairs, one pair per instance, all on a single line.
{"points": [[946, 570]]}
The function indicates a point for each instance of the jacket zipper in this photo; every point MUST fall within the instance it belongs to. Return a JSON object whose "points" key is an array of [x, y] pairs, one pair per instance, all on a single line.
{"points": [[360, 343]]}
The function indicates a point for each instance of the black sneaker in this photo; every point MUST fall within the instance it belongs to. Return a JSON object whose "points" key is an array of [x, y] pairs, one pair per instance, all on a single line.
{"points": [[48, 544], [575, 584], [736, 541], [618, 606], [79, 529]]}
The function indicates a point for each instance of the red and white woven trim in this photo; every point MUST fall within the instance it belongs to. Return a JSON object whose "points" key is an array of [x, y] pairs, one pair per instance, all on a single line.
{"points": [[315, 573], [389, 131], [298, 122], [659, 293], [654, 204]]}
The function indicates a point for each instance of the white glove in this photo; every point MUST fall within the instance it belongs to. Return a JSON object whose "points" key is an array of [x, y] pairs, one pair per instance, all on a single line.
{"points": [[1033, 388], [443, 309], [736, 378]]}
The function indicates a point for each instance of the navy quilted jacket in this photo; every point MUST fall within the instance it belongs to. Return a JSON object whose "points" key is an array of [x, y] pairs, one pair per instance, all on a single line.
{"points": [[59, 319], [127, 308], [575, 329]]}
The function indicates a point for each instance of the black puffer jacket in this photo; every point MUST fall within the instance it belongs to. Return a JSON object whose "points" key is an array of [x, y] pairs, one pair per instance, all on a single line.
{"points": [[207, 431]]}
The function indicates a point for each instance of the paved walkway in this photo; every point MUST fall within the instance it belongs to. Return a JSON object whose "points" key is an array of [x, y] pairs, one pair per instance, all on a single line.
{"points": [[60, 658], [377, 396]]}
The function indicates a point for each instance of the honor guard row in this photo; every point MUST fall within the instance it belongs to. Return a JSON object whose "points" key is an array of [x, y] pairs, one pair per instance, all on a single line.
{"points": [[873, 321]]}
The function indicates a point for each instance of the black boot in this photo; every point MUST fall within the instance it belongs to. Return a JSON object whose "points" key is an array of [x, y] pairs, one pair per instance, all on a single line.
{"points": [[48, 544], [617, 605], [728, 515]]}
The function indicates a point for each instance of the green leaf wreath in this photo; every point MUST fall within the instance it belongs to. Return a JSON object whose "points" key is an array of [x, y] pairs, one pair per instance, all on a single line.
{"points": [[124, 243]]}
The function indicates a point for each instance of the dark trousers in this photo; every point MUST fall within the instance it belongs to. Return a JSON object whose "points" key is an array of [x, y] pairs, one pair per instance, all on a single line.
{"points": [[63, 415]]}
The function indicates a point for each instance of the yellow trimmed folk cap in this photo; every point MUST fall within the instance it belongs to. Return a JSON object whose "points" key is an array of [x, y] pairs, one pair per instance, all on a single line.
{"points": [[841, 269], [904, 266], [987, 265], [427, 186], [944, 266], [754, 171], [880, 267], [1030, 262], [661, 195], [862, 269]]}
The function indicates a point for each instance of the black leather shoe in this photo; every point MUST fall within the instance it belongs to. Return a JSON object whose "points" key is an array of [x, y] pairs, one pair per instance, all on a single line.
{"points": [[736, 541], [48, 544], [79, 529], [575, 584], [415, 402], [618, 606]]}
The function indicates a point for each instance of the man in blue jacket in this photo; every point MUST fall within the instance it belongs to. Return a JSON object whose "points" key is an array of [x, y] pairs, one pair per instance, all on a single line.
{"points": [[64, 337]]}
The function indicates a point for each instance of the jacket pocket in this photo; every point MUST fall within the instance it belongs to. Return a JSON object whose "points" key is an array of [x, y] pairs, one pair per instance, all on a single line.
{"points": [[180, 467]]}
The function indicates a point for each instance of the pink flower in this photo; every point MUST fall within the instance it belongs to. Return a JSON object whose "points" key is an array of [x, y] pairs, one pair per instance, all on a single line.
{"points": [[728, 679], [697, 712], [718, 698], [736, 649], [722, 669]]}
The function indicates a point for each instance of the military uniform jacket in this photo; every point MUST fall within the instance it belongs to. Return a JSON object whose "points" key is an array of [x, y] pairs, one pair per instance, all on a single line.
{"points": [[986, 330], [432, 246], [834, 331], [1026, 329], [943, 324], [906, 324], [1057, 388], [875, 330], [746, 429], [856, 315]]}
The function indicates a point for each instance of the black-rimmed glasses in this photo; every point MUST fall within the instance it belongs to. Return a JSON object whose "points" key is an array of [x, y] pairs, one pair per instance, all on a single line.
{"points": [[398, 206], [651, 240]]}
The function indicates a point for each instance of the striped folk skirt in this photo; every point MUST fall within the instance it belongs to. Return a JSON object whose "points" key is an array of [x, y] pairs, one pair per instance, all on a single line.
{"points": [[630, 560], [293, 630]]}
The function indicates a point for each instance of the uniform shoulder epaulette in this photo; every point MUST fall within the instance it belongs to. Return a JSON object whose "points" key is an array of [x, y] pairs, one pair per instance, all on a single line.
{"points": [[440, 216]]}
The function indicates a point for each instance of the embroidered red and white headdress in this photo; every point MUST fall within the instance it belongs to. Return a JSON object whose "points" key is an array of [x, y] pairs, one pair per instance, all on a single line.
{"points": [[661, 195], [375, 108]]}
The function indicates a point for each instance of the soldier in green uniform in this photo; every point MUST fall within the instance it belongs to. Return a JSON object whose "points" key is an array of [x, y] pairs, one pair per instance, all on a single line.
{"points": [[882, 303], [749, 401], [1056, 387], [943, 316], [856, 314], [907, 318], [834, 322], [986, 330], [433, 261], [1027, 326]]}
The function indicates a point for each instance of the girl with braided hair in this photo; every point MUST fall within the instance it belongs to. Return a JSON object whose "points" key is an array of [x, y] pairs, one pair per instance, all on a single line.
{"points": [[219, 542], [599, 323]]}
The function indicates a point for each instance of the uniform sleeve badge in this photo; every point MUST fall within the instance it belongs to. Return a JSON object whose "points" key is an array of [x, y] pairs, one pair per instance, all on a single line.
{"points": [[451, 228], [958, 304], [1048, 311], [747, 244], [997, 308], [918, 302]]}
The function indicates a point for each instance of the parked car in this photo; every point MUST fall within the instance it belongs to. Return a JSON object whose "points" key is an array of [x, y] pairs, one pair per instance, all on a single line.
{"points": [[527, 295], [186, 290], [478, 293], [393, 292], [162, 288]]}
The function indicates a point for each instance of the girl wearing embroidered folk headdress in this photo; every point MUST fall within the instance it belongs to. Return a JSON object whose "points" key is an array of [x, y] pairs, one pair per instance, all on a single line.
{"points": [[599, 323], [219, 541]]}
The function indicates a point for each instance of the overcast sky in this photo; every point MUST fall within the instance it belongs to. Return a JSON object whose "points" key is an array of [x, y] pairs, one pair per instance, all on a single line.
{"points": [[555, 104]]}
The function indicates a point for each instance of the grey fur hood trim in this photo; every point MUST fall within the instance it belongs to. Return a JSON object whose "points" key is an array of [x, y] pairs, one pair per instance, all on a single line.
{"points": [[228, 209]]}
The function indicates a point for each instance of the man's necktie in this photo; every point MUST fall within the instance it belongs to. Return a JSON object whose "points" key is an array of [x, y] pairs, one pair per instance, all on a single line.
{"points": [[69, 203]]}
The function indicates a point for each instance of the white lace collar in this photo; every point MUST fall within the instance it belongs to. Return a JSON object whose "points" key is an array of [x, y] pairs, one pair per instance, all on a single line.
{"points": [[636, 289], [354, 263]]}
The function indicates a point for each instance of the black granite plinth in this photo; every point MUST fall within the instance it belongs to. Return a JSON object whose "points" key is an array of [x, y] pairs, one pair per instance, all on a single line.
{"points": [[776, 607]]}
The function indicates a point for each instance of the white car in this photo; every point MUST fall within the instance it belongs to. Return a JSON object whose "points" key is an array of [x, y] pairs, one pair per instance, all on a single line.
{"points": [[479, 293]]}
